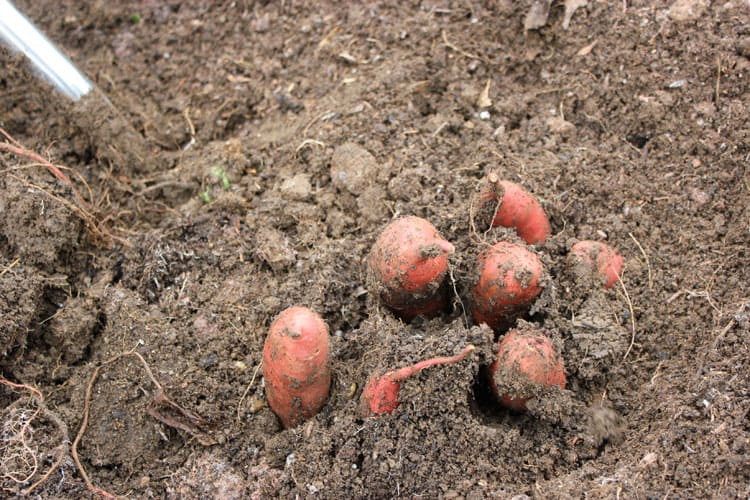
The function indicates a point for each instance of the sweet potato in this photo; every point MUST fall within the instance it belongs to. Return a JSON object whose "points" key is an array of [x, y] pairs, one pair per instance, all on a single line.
{"points": [[408, 263], [516, 208], [295, 365], [380, 395], [530, 361], [608, 262], [510, 278]]}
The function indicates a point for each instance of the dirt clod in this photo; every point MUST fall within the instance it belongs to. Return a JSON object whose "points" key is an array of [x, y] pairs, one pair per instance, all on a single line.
{"points": [[352, 168]]}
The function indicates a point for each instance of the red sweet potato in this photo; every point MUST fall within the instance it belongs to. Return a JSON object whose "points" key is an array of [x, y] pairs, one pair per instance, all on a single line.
{"points": [[296, 366], [409, 262], [380, 395], [608, 261], [510, 278], [516, 208], [530, 359]]}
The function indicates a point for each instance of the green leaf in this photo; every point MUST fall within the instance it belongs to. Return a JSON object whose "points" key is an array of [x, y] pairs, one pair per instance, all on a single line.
{"points": [[220, 174]]}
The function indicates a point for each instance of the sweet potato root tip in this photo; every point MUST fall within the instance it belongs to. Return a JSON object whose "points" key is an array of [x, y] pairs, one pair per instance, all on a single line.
{"points": [[598, 257], [510, 278], [516, 208], [380, 395], [409, 262], [295, 365], [529, 359]]}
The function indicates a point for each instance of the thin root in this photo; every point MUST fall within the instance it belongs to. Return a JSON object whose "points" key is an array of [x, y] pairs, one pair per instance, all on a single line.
{"points": [[458, 297], [247, 390], [457, 49], [162, 408], [648, 262], [309, 142], [62, 448], [632, 318], [474, 233], [80, 207]]}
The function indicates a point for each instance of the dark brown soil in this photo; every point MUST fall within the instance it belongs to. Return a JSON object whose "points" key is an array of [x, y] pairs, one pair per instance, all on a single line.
{"points": [[254, 152]]}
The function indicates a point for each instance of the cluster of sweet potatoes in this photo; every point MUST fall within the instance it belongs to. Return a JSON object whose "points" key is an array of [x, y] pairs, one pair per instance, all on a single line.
{"points": [[409, 266]]}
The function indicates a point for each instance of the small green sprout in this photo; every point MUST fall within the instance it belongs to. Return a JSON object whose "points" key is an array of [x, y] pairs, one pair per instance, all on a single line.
{"points": [[220, 174], [205, 196], [135, 19]]}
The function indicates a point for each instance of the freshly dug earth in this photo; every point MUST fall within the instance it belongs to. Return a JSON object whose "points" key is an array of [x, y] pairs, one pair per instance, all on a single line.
{"points": [[253, 154]]}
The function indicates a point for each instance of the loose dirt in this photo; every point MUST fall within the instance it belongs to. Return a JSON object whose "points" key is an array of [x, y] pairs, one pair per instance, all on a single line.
{"points": [[254, 152]]}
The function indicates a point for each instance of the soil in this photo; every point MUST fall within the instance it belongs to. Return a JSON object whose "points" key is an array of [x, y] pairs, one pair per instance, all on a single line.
{"points": [[251, 154]]}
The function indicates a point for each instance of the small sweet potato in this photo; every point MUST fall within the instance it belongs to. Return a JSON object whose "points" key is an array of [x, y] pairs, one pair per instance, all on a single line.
{"points": [[380, 395], [608, 262], [510, 278], [528, 359]]}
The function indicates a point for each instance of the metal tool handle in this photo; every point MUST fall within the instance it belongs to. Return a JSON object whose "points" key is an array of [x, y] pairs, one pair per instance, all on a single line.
{"points": [[21, 35]]}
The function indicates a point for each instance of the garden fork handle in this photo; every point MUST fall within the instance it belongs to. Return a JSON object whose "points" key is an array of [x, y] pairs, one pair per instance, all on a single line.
{"points": [[21, 35]]}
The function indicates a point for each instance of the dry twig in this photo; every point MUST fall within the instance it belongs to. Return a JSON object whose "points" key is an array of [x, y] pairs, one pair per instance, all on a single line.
{"points": [[162, 408], [458, 49], [9, 267]]}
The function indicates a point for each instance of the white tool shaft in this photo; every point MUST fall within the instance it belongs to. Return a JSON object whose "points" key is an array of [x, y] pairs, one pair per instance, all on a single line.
{"points": [[20, 34]]}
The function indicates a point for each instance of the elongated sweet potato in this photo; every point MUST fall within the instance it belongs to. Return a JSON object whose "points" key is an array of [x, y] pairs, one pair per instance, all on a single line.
{"points": [[295, 365], [513, 206]]}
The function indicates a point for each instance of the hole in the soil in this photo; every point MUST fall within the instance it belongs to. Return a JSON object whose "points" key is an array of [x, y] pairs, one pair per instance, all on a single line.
{"points": [[53, 299], [117, 270], [85, 156], [639, 139], [484, 405], [96, 331], [600, 449], [538, 317], [47, 307], [454, 129], [4, 246]]}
